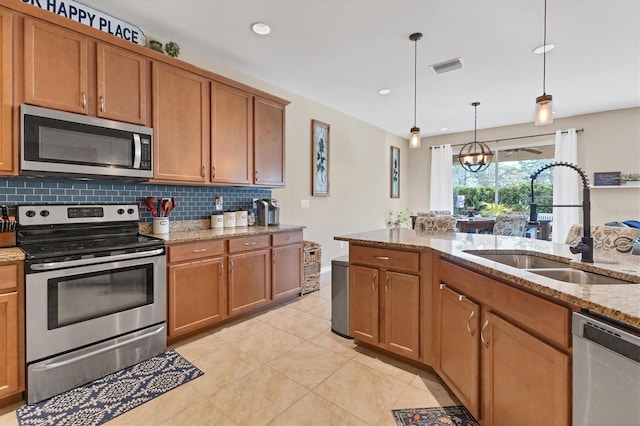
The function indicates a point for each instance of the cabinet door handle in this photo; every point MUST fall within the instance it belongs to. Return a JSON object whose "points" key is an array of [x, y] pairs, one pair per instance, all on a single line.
{"points": [[101, 103], [484, 327], [386, 285], [382, 257], [473, 314], [373, 282], [256, 175], [213, 171], [202, 250], [221, 268], [274, 257], [202, 171], [84, 100], [252, 243], [230, 266]]}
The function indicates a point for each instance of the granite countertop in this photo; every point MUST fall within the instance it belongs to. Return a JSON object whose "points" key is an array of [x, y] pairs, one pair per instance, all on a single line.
{"points": [[11, 254], [620, 302], [199, 230]]}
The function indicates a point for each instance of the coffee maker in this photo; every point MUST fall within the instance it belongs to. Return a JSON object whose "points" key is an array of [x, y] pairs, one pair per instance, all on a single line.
{"points": [[268, 212]]}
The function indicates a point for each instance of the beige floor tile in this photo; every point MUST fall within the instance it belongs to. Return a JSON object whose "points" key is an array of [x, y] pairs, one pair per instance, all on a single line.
{"points": [[305, 325], [278, 315], [329, 340], [323, 311], [308, 364], [362, 391], [427, 379], [204, 413], [312, 410], [9, 418], [413, 397], [223, 367], [259, 397], [201, 348], [238, 331], [308, 302], [387, 365], [161, 408], [269, 344]]}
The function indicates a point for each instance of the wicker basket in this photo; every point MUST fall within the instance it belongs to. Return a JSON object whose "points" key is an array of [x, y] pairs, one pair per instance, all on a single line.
{"points": [[311, 263]]}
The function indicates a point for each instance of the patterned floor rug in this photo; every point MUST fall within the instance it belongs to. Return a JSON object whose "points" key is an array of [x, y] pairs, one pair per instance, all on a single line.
{"points": [[101, 400], [437, 416]]}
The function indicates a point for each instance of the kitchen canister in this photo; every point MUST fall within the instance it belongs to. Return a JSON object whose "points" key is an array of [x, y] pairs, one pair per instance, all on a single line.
{"points": [[217, 221], [160, 225], [242, 218], [229, 219]]}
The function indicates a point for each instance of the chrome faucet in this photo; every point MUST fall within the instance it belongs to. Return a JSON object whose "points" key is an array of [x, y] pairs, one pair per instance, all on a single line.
{"points": [[585, 246]]}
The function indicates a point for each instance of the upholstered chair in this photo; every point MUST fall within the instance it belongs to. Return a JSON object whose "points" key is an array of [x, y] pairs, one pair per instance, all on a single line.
{"points": [[513, 224], [606, 238], [436, 224]]}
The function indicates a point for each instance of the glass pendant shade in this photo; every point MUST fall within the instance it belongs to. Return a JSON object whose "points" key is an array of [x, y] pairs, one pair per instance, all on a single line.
{"points": [[414, 140], [544, 110]]}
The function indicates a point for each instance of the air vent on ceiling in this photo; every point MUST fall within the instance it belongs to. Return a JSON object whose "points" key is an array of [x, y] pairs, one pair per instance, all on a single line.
{"points": [[447, 66]]}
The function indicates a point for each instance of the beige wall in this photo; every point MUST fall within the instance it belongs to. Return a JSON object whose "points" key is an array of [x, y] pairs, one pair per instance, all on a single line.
{"points": [[610, 142], [358, 173]]}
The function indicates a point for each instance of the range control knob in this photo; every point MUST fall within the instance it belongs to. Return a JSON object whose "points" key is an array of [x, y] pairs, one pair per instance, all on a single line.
{"points": [[30, 213], [131, 211], [44, 213], [120, 211]]}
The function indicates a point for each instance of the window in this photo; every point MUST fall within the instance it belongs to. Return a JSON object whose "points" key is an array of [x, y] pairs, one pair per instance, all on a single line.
{"points": [[505, 185]]}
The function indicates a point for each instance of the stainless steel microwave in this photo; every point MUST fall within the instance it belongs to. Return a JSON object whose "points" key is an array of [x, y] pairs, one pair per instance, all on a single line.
{"points": [[56, 143]]}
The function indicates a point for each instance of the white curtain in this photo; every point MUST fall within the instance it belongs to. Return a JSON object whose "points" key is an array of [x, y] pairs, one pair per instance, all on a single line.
{"points": [[441, 194], [567, 185]]}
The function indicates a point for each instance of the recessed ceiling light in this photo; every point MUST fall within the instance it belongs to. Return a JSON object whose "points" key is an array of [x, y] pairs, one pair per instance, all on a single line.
{"points": [[261, 28], [384, 91], [541, 49], [444, 129]]}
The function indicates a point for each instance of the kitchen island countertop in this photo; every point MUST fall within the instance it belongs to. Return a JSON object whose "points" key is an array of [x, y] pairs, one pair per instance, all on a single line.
{"points": [[620, 302]]}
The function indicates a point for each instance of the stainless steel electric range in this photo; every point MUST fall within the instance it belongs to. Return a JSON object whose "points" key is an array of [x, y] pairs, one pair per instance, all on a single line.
{"points": [[95, 294]]}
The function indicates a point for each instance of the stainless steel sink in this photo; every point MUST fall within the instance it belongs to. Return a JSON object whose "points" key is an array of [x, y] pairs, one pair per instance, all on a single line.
{"points": [[520, 261], [576, 276]]}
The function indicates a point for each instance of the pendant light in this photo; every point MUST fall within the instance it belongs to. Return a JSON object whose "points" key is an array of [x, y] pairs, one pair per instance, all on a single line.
{"points": [[475, 156], [544, 103], [414, 139]]}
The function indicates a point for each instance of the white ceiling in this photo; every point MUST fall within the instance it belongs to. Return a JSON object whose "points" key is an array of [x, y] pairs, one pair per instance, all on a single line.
{"points": [[340, 52]]}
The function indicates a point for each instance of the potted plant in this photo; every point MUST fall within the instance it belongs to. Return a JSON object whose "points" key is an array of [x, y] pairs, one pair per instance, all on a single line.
{"points": [[172, 49], [630, 177]]}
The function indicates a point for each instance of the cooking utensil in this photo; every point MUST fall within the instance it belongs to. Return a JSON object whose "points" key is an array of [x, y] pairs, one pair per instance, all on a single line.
{"points": [[168, 206], [149, 202], [5, 212], [161, 206]]}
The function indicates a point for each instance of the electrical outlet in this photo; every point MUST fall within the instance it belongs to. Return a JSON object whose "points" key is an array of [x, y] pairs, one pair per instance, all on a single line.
{"points": [[304, 204], [341, 244]]}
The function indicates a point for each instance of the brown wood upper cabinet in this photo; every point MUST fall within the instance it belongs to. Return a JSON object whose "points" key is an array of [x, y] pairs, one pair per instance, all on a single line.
{"points": [[180, 124], [7, 165], [269, 143], [68, 71], [231, 135]]}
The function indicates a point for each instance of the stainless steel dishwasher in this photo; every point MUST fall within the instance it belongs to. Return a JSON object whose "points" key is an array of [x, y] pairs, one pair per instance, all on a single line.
{"points": [[606, 372]]}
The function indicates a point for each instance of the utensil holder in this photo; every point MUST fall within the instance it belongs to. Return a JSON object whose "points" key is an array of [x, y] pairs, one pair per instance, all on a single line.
{"points": [[160, 225]]}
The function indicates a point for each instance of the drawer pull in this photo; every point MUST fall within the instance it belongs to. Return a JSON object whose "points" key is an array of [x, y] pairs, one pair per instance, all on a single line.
{"points": [[473, 314], [460, 298], [252, 243], [442, 286], [484, 327], [288, 238], [202, 250], [382, 257]]}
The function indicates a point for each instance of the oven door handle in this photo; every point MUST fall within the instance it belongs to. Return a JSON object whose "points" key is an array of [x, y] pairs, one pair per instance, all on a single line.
{"points": [[95, 260], [45, 367]]}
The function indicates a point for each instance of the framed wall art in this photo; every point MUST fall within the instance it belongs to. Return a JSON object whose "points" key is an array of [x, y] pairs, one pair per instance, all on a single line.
{"points": [[319, 158], [395, 172]]}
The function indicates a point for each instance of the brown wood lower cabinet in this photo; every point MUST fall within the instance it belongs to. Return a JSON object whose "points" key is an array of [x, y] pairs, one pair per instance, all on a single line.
{"points": [[384, 303], [248, 281], [196, 286], [516, 365], [12, 364], [286, 271]]}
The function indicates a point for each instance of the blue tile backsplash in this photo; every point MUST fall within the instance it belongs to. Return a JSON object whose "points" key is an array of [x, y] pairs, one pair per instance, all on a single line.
{"points": [[194, 202]]}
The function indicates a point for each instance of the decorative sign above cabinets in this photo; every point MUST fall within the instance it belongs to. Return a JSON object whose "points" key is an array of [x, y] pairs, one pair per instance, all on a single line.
{"points": [[92, 18]]}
